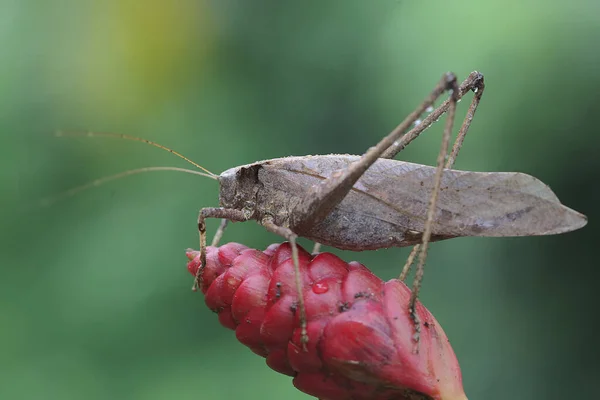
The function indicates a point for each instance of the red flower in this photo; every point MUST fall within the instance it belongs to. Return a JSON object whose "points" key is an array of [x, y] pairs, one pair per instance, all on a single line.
{"points": [[360, 332]]}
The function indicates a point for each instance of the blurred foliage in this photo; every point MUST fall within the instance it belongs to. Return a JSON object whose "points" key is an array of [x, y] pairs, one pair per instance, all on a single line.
{"points": [[94, 294]]}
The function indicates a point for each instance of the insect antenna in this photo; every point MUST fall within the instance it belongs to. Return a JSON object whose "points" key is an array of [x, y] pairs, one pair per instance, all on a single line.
{"points": [[48, 201], [134, 139]]}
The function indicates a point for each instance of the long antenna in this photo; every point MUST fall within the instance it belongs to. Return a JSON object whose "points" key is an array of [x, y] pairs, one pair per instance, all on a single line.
{"points": [[97, 182], [135, 139]]}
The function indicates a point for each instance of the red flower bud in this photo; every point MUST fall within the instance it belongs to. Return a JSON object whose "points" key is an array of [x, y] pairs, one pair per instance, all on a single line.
{"points": [[360, 332]]}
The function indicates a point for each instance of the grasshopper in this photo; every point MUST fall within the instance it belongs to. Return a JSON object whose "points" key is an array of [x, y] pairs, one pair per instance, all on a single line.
{"points": [[372, 201]]}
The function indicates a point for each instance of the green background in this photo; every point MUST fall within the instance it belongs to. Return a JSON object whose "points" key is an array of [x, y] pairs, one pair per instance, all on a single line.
{"points": [[94, 293]]}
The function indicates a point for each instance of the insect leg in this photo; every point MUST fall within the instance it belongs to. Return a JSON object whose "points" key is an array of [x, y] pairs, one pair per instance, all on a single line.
{"points": [[477, 88], [409, 262], [432, 206], [211, 212], [473, 82], [325, 196], [291, 237]]}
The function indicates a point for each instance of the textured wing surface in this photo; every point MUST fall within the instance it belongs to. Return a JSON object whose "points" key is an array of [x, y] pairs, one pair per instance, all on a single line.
{"points": [[470, 203]]}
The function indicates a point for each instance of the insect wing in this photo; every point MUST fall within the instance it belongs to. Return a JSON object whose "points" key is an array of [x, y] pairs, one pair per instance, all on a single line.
{"points": [[469, 204]]}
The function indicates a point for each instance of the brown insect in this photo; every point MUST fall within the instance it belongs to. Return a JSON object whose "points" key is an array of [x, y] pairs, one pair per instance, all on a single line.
{"points": [[371, 201]]}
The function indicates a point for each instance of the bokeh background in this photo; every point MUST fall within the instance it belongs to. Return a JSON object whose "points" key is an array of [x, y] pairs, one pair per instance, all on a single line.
{"points": [[94, 293]]}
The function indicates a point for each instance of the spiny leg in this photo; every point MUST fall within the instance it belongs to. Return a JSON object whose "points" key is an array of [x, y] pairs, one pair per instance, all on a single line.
{"points": [[211, 212], [409, 262], [475, 83], [431, 209], [471, 83], [477, 89], [291, 237], [325, 196]]}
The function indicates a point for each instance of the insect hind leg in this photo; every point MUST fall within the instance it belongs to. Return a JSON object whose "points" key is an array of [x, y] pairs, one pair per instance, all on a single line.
{"points": [[441, 164], [474, 82], [476, 85], [325, 196]]}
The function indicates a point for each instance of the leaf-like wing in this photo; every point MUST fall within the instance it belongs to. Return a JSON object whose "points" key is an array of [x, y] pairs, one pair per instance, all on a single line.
{"points": [[470, 203]]}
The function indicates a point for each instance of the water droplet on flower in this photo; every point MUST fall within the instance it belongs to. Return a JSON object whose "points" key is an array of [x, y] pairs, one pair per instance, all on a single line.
{"points": [[320, 287]]}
